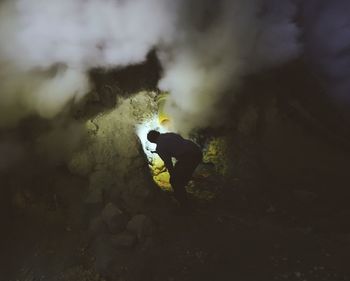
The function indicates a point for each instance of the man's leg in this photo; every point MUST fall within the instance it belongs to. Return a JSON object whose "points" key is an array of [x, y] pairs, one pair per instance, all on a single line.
{"points": [[182, 174], [178, 182]]}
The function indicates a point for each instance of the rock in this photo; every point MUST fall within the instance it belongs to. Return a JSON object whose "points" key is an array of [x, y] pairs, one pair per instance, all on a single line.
{"points": [[108, 96], [132, 202], [148, 243], [248, 120], [97, 226], [114, 218], [110, 211], [123, 240], [204, 170], [141, 226], [111, 154], [81, 164], [94, 197], [100, 183], [104, 253]]}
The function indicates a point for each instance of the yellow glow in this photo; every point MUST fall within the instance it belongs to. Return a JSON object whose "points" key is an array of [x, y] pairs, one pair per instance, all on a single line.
{"points": [[159, 173], [162, 123], [163, 117], [216, 153]]}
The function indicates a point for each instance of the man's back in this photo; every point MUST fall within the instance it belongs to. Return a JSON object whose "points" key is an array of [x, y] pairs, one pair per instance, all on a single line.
{"points": [[174, 145]]}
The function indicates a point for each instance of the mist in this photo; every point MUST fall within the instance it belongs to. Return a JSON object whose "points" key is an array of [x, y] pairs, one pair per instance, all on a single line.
{"points": [[48, 47], [218, 45]]}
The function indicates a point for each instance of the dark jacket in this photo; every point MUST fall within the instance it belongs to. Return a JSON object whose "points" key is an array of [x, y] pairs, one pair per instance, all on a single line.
{"points": [[173, 145]]}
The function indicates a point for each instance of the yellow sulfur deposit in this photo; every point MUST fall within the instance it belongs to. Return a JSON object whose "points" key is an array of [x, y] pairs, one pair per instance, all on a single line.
{"points": [[215, 153], [160, 174], [163, 117]]}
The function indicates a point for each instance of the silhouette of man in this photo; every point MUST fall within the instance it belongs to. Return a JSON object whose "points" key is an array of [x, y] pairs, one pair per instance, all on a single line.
{"points": [[187, 154]]}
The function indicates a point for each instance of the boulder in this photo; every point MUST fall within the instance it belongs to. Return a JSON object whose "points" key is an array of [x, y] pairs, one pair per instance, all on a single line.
{"points": [[114, 218], [123, 240], [141, 226], [104, 253], [97, 226], [81, 164]]}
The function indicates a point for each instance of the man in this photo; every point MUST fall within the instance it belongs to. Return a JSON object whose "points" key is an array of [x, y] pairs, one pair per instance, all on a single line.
{"points": [[187, 154]]}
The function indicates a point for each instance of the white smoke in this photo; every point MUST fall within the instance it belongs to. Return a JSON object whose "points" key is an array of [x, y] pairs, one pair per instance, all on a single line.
{"points": [[48, 46], [207, 63]]}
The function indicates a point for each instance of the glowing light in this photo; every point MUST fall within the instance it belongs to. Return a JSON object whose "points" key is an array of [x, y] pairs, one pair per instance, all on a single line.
{"points": [[142, 131], [159, 173]]}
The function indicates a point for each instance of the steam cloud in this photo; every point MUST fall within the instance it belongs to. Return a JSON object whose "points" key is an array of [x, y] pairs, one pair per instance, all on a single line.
{"points": [[220, 42], [47, 47], [205, 47]]}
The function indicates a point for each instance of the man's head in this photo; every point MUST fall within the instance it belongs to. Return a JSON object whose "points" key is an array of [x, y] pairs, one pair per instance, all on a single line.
{"points": [[153, 136]]}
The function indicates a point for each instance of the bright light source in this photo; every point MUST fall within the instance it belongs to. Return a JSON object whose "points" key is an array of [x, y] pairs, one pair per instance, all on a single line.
{"points": [[159, 173], [142, 131]]}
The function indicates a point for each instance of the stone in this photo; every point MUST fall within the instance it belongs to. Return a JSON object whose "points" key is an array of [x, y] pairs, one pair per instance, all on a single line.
{"points": [[81, 164], [114, 218], [141, 226], [111, 155], [123, 240], [100, 183], [104, 252], [94, 197], [97, 226], [133, 203], [248, 120]]}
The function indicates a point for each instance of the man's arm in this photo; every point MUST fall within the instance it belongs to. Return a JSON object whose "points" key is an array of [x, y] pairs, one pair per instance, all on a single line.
{"points": [[167, 161]]}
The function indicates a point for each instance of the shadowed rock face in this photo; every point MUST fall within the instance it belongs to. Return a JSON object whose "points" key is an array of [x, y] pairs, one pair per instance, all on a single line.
{"points": [[111, 156], [110, 84], [288, 137]]}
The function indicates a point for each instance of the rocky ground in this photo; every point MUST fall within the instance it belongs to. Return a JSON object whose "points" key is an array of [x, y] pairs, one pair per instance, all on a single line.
{"points": [[229, 237]]}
